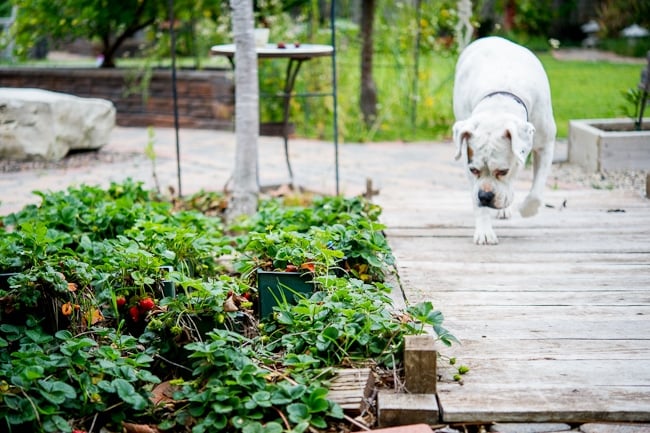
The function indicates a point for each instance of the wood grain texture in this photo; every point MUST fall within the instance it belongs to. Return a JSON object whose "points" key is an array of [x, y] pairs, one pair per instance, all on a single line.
{"points": [[554, 321]]}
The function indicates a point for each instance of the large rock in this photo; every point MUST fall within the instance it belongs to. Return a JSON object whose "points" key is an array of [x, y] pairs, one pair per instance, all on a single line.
{"points": [[39, 124]]}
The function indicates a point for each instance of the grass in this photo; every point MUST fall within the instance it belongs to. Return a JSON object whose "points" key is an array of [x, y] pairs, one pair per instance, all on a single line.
{"points": [[588, 90]]}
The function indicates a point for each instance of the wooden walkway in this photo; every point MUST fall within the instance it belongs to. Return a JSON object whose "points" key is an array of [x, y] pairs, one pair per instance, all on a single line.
{"points": [[554, 321]]}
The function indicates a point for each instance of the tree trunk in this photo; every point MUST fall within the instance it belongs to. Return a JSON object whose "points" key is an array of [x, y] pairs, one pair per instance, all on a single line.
{"points": [[245, 188], [368, 100]]}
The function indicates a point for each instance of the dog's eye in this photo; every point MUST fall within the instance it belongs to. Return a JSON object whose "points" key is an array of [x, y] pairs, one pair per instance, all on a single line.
{"points": [[501, 173], [475, 171]]}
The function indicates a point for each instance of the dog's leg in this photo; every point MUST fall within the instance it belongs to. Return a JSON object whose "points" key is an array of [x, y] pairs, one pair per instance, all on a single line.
{"points": [[542, 161], [483, 233], [505, 213]]}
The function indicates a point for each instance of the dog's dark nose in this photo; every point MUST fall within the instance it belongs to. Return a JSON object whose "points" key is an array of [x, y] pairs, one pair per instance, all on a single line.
{"points": [[485, 197]]}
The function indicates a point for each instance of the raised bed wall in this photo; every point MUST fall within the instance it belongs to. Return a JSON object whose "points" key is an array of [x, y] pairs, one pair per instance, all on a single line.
{"points": [[205, 98]]}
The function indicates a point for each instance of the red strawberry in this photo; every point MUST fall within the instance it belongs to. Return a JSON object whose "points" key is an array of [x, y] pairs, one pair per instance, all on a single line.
{"points": [[121, 301], [134, 313], [147, 304]]}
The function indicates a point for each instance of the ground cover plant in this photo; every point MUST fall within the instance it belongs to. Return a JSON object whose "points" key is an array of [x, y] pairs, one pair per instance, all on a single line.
{"points": [[92, 338]]}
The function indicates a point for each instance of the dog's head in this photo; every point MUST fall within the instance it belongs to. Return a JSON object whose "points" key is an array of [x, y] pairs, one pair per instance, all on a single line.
{"points": [[495, 148]]}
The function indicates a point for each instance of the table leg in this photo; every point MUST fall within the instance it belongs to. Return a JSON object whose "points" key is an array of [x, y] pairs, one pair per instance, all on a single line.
{"points": [[292, 72]]}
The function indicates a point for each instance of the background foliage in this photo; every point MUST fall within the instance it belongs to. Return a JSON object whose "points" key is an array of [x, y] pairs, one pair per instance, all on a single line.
{"points": [[414, 81]]}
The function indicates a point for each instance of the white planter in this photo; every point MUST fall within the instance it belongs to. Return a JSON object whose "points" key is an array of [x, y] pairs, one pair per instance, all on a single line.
{"points": [[609, 144]]}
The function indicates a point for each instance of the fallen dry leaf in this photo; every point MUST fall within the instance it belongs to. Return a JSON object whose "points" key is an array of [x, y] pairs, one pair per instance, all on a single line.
{"points": [[229, 305], [139, 428], [162, 393]]}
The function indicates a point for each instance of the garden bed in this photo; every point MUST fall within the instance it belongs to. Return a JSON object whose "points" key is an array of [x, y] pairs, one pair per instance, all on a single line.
{"points": [[93, 340], [609, 144]]}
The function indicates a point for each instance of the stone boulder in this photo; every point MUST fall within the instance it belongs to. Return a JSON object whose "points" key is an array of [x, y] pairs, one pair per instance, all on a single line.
{"points": [[39, 124]]}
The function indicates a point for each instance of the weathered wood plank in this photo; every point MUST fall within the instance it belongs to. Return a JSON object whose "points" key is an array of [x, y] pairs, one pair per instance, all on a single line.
{"points": [[549, 312], [550, 349], [495, 328], [534, 373], [434, 281], [351, 389], [536, 297], [522, 403]]}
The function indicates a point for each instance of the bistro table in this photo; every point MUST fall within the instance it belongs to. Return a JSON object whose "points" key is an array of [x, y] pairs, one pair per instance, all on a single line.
{"points": [[297, 54]]}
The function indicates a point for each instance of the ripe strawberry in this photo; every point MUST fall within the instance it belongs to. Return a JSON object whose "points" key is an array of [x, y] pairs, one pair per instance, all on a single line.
{"points": [[121, 301], [134, 313], [147, 304]]}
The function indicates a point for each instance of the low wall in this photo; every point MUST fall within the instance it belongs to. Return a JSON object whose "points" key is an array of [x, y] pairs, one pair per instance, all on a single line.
{"points": [[205, 98]]}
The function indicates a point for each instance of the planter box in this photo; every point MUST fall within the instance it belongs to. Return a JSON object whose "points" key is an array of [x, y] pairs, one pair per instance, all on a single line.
{"points": [[609, 144], [277, 287]]}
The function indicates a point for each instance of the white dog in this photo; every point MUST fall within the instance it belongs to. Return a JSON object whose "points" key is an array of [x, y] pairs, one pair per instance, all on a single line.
{"points": [[502, 104]]}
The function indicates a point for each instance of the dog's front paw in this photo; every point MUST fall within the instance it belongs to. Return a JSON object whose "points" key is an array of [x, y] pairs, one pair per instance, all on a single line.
{"points": [[485, 237], [504, 214], [530, 206]]}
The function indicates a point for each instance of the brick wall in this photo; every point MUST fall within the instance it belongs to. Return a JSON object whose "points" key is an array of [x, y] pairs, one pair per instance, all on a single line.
{"points": [[205, 98]]}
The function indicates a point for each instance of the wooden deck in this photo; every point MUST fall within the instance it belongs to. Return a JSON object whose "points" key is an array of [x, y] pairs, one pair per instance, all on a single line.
{"points": [[554, 321]]}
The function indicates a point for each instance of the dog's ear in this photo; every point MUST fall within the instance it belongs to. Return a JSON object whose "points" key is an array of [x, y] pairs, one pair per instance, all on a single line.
{"points": [[520, 135], [462, 131]]}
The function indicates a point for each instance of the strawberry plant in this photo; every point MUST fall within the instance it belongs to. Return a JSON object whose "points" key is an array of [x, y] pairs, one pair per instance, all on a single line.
{"points": [[88, 332]]}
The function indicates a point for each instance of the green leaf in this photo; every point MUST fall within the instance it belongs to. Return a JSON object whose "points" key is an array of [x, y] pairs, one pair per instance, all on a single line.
{"points": [[32, 372], [219, 407], [331, 333], [319, 422], [147, 376], [273, 427], [127, 392], [298, 412], [253, 427], [317, 400], [262, 398], [56, 424]]}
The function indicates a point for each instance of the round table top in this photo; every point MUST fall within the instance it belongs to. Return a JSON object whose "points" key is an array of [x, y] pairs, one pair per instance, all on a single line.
{"points": [[303, 51]]}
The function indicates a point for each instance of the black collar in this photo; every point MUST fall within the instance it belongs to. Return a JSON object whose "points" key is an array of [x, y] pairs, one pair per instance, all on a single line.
{"points": [[513, 96]]}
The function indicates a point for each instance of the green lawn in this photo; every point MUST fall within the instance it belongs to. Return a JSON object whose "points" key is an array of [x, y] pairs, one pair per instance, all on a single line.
{"points": [[588, 90]]}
